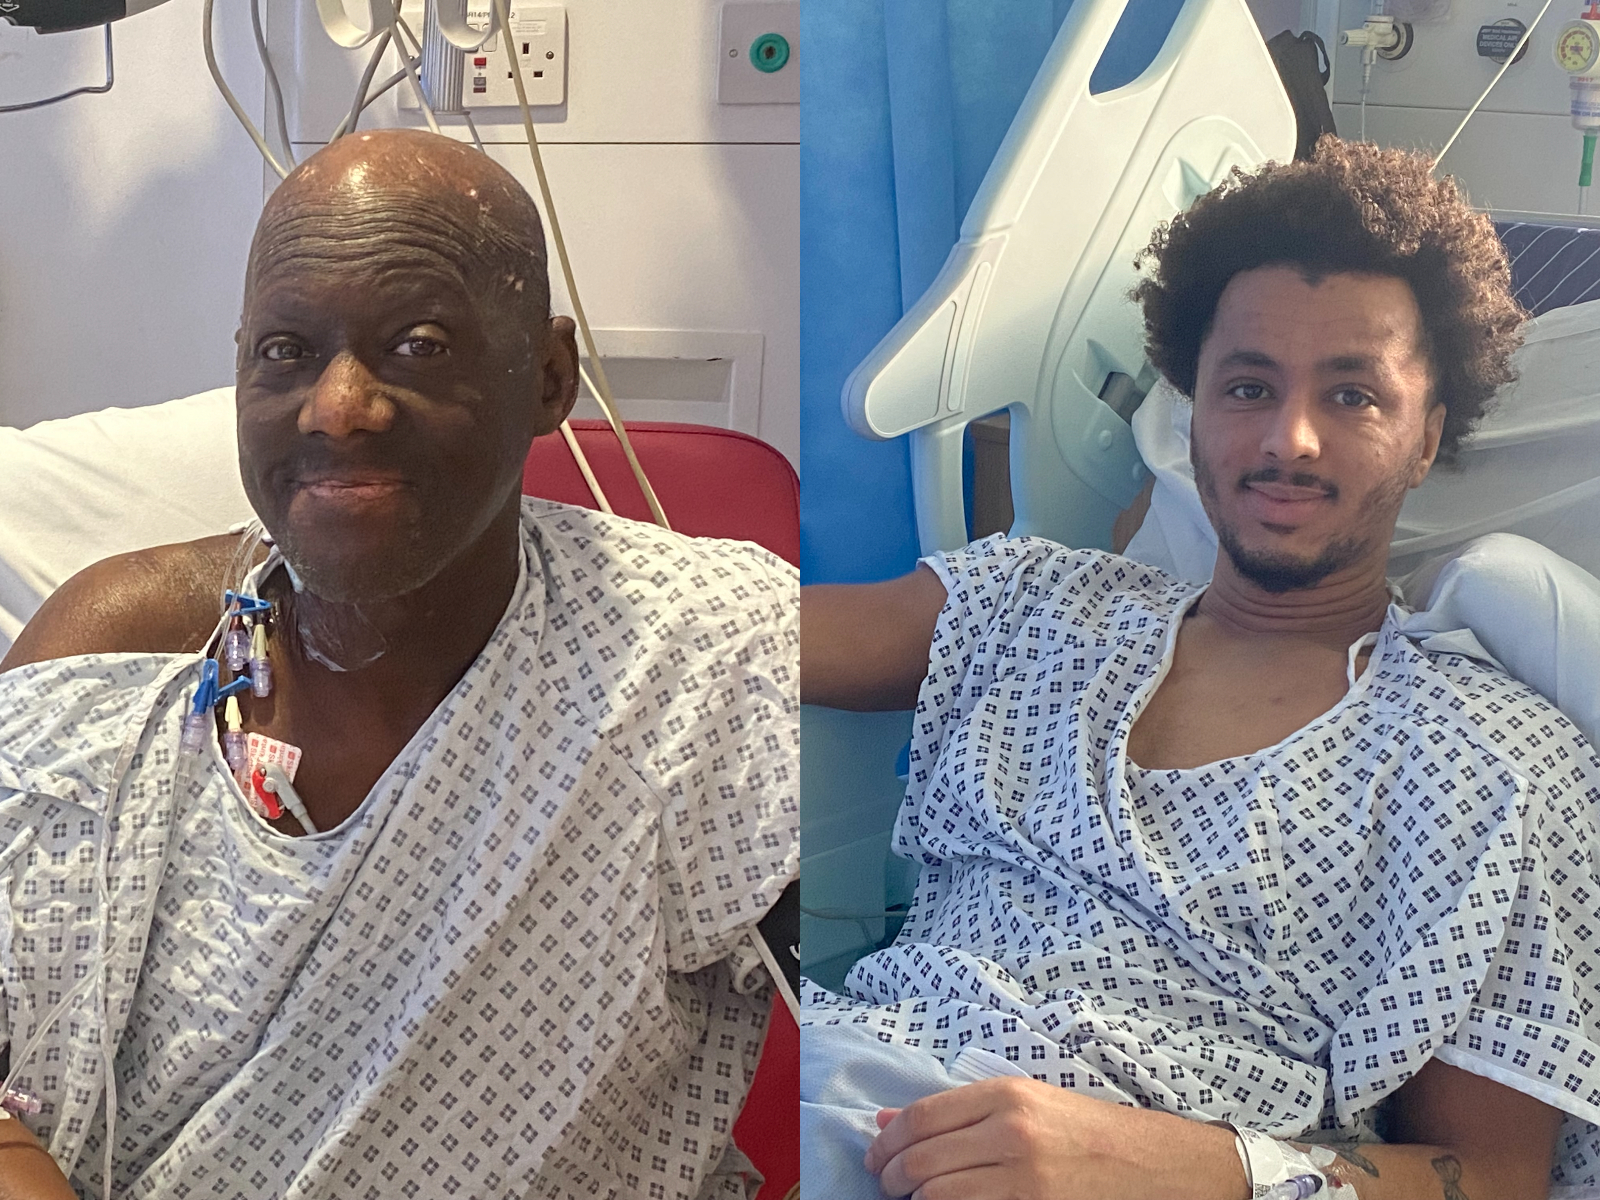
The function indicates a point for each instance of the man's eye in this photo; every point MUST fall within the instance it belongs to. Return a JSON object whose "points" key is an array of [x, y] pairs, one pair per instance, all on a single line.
{"points": [[420, 347], [281, 350], [1248, 391], [1351, 398]]}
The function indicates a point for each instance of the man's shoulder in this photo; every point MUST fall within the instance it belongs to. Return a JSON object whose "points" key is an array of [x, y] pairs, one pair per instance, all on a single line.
{"points": [[64, 721], [1006, 577], [636, 602], [599, 558], [159, 600], [1463, 700]]}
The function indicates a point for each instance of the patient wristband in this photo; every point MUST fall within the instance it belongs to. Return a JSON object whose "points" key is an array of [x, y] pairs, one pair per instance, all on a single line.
{"points": [[1269, 1163]]}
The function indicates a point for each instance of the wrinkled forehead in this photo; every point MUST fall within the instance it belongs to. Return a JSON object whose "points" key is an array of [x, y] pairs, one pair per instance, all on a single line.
{"points": [[447, 236]]}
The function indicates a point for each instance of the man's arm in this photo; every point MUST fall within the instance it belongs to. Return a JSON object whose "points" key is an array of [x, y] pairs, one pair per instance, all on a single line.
{"points": [[162, 600], [27, 1172], [865, 646], [1458, 1137]]}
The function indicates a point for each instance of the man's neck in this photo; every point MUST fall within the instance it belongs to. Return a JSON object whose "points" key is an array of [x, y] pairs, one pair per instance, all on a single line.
{"points": [[427, 638], [1338, 610]]}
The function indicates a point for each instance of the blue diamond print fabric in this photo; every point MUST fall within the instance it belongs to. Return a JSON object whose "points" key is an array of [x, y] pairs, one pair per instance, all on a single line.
{"points": [[1279, 940], [518, 970]]}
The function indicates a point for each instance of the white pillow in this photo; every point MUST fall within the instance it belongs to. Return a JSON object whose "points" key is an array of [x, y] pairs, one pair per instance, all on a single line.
{"points": [[77, 490]]}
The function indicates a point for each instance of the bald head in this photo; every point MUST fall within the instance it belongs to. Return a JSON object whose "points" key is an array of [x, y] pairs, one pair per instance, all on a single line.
{"points": [[402, 198]]}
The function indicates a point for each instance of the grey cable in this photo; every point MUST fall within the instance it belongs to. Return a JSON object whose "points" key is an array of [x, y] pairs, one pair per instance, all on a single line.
{"points": [[274, 90], [99, 90], [473, 129], [361, 101], [383, 88], [411, 71], [232, 100]]}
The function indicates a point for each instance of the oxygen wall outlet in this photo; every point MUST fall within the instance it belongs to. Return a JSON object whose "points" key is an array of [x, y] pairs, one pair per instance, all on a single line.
{"points": [[539, 34], [759, 52]]}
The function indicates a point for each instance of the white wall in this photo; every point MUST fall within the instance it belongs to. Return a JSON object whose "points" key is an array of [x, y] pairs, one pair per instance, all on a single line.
{"points": [[680, 214], [1520, 153], [124, 218]]}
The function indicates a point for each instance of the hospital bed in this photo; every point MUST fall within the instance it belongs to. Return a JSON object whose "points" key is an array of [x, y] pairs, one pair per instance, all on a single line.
{"points": [[1031, 315], [86, 487]]}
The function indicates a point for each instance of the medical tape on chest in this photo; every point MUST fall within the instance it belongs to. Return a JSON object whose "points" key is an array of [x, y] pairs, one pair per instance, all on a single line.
{"points": [[263, 750]]}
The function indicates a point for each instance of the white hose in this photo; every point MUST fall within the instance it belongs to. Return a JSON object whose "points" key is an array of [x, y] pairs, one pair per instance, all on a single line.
{"points": [[584, 469], [778, 977], [232, 100], [600, 386]]}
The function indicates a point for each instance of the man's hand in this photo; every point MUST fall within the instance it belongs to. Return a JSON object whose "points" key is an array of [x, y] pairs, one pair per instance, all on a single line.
{"points": [[1458, 1137], [1018, 1139]]}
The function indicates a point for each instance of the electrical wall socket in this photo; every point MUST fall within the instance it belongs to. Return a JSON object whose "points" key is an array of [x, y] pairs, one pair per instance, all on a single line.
{"points": [[539, 34], [758, 52]]}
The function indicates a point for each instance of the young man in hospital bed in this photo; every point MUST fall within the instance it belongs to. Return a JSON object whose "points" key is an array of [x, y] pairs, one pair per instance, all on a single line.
{"points": [[1243, 852], [551, 754]]}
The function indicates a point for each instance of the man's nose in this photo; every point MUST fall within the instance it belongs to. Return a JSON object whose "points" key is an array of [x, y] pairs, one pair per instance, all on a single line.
{"points": [[1291, 431], [346, 399]]}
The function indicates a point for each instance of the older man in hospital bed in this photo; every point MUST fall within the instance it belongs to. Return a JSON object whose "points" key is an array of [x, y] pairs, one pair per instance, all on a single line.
{"points": [[1265, 852], [529, 748]]}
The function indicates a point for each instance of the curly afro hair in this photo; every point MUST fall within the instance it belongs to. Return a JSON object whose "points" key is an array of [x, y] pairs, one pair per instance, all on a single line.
{"points": [[1351, 207]]}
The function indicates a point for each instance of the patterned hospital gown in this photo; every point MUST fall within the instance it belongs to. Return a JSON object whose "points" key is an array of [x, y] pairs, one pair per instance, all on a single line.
{"points": [[1279, 939], [514, 971]]}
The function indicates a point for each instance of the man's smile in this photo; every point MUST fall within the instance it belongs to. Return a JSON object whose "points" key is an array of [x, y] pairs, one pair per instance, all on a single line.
{"points": [[1282, 503], [351, 488]]}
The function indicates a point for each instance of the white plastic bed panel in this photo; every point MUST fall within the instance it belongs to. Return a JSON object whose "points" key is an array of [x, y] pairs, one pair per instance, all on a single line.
{"points": [[1031, 310]]}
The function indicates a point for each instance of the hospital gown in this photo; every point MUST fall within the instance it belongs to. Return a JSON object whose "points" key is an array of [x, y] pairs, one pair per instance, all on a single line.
{"points": [[518, 969], [1279, 939]]}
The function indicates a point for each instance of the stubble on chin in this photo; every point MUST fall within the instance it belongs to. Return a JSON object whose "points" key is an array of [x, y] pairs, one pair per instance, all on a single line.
{"points": [[1279, 572]]}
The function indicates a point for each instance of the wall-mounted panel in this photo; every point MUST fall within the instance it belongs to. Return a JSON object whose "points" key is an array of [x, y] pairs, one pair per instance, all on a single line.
{"points": [[636, 72]]}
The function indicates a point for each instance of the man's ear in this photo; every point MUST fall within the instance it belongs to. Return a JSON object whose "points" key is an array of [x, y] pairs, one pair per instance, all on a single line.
{"points": [[1432, 431], [560, 373]]}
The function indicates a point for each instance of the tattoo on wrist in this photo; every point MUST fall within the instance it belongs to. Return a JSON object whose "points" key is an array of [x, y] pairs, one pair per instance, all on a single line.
{"points": [[1448, 1169]]}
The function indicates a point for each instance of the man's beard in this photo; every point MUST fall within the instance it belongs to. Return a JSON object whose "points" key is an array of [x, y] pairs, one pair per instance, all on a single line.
{"points": [[1279, 572], [400, 570]]}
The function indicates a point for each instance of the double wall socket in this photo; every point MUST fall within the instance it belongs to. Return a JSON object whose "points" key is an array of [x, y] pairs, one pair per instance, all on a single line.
{"points": [[758, 52], [539, 35]]}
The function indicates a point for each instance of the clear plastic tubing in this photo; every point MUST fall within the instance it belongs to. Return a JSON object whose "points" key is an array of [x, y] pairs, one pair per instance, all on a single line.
{"points": [[234, 747], [196, 728], [236, 646], [198, 723], [260, 664]]}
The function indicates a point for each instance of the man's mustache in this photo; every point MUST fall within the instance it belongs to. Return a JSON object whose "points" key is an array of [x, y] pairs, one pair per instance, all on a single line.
{"points": [[313, 464], [1301, 479]]}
